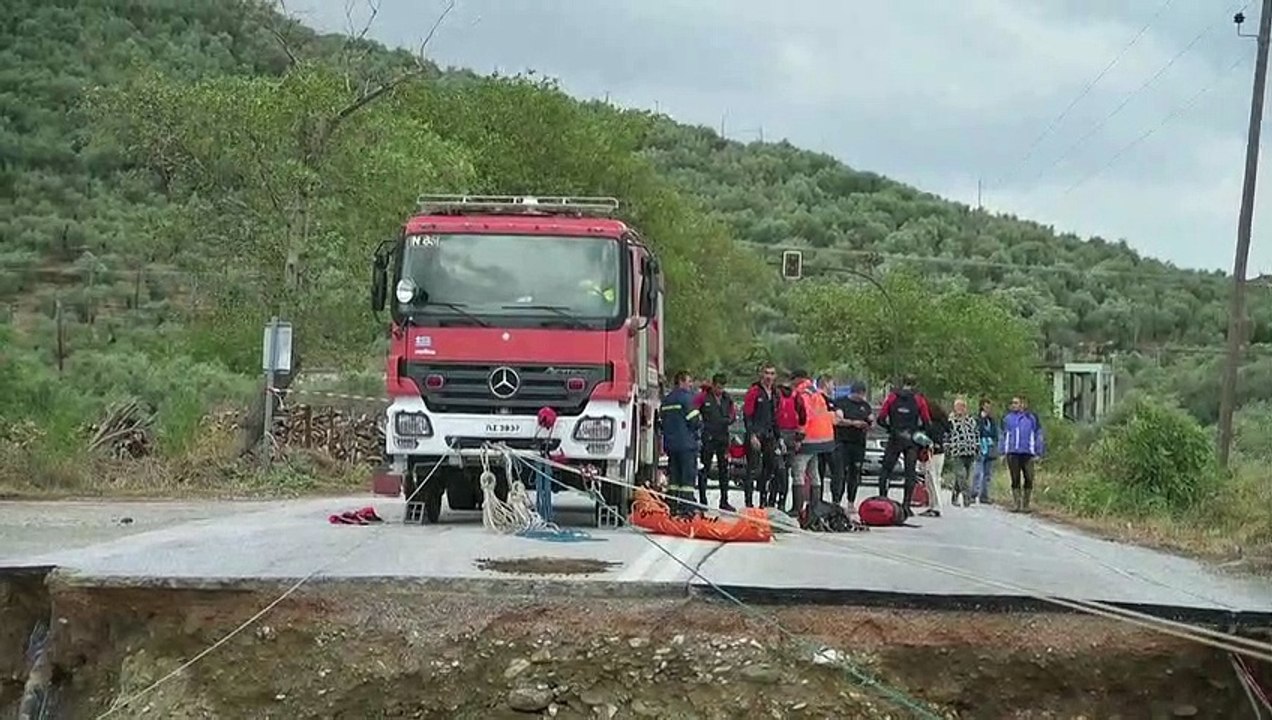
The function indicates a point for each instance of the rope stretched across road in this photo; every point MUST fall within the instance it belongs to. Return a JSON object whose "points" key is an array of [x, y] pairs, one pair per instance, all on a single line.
{"points": [[1229, 642], [895, 696]]}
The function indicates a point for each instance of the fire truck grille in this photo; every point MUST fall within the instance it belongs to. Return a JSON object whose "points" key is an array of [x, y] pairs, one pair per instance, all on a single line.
{"points": [[492, 389]]}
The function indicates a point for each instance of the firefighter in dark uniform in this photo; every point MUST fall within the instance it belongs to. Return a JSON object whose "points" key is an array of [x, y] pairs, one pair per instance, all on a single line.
{"points": [[681, 423], [718, 413]]}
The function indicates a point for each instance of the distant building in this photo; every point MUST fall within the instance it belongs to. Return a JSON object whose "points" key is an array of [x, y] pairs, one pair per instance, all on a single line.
{"points": [[1081, 392]]}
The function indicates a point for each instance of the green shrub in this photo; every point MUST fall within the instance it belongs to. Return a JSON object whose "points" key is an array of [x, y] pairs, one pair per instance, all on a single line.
{"points": [[1063, 441], [1253, 432], [1155, 457]]}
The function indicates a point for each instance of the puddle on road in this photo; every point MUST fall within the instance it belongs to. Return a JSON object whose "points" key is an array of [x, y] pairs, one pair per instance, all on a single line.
{"points": [[545, 566]]}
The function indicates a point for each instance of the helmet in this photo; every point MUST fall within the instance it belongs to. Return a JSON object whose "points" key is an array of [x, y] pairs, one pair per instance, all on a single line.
{"points": [[922, 440]]}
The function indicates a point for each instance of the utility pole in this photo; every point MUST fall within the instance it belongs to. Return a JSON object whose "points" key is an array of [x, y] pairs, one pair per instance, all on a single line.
{"points": [[1236, 313], [979, 184]]}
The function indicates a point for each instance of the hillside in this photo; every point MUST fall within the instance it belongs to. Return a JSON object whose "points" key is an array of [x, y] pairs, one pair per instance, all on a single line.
{"points": [[175, 172], [1092, 291], [84, 226]]}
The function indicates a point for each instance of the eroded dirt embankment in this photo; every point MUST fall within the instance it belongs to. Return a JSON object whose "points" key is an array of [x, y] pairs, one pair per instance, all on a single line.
{"points": [[386, 650]]}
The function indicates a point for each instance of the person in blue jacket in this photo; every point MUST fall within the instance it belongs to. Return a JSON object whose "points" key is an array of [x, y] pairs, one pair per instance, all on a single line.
{"points": [[1021, 443], [681, 425], [987, 432]]}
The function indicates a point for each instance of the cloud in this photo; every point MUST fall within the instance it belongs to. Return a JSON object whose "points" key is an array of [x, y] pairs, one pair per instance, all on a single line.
{"points": [[934, 93]]}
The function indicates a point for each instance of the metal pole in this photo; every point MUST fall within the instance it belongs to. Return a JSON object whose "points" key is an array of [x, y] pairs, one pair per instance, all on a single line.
{"points": [[1236, 313], [269, 386], [61, 335]]}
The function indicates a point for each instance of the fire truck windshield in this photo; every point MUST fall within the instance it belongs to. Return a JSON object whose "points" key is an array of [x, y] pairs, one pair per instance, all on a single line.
{"points": [[512, 280]]}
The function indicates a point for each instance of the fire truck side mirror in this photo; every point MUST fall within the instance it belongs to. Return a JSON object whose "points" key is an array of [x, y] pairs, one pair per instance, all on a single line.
{"points": [[792, 264], [649, 288], [379, 283]]}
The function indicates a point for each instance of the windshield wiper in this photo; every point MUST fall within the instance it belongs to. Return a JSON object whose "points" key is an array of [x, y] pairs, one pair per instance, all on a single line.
{"points": [[459, 309], [557, 310]]}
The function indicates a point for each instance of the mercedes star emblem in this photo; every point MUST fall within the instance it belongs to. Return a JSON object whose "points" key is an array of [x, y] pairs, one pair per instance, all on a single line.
{"points": [[504, 382]]}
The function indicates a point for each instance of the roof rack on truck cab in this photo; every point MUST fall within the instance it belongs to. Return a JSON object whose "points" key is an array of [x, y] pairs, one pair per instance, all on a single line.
{"points": [[516, 205]]}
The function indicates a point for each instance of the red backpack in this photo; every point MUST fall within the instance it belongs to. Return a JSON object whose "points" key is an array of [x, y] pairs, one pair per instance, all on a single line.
{"points": [[879, 511], [787, 411]]}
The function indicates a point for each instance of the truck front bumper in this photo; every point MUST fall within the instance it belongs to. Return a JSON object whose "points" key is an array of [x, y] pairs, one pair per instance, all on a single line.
{"points": [[601, 433]]}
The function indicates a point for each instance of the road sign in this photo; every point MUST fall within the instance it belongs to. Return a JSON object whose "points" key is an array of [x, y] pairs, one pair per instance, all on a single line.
{"points": [[276, 355]]}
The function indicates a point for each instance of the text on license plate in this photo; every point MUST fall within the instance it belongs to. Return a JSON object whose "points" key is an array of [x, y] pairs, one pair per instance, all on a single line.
{"points": [[500, 428]]}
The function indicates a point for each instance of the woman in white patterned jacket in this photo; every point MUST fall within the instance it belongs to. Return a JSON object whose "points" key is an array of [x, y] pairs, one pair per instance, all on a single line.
{"points": [[962, 446]]}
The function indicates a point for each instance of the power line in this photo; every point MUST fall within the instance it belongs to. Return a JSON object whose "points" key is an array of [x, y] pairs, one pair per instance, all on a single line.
{"points": [[1174, 115], [1084, 92], [1169, 274], [1126, 100]]}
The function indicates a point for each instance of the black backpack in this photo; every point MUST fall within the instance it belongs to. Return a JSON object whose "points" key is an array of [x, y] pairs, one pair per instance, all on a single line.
{"points": [[829, 517], [903, 416]]}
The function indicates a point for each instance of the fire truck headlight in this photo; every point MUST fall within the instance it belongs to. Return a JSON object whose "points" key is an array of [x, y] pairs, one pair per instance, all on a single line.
{"points": [[594, 429], [412, 424]]}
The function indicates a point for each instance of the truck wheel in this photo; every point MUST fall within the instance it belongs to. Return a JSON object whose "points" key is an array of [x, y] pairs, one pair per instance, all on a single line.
{"points": [[462, 488], [423, 504], [617, 497]]}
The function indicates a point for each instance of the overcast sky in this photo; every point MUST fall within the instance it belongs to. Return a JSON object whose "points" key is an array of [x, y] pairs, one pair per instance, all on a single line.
{"points": [[935, 93]]}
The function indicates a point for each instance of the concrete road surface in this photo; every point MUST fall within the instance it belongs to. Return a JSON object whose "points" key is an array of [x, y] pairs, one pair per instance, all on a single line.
{"points": [[969, 556]]}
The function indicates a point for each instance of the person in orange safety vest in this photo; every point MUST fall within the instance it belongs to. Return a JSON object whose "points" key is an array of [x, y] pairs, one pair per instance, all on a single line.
{"points": [[816, 436]]}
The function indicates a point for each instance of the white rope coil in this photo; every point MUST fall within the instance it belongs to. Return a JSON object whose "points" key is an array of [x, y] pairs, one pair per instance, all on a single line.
{"points": [[496, 514], [515, 515]]}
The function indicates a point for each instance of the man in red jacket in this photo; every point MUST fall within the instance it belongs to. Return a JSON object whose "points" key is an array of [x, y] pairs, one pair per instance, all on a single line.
{"points": [[759, 413], [904, 413]]}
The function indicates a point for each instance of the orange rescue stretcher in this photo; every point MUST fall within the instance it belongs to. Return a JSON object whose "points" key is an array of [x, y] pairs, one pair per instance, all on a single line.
{"points": [[651, 513]]}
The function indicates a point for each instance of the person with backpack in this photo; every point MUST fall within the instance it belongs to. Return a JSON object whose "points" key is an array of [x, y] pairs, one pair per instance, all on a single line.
{"points": [[681, 424], [904, 413], [962, 445], [817, 436], [791, 415], [850, 441], [718, 413], [1021, 444], [760, 415], [987, 434]]}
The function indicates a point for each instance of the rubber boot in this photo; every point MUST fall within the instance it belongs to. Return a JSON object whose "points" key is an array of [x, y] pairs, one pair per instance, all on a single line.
{"points": [[1017, 501], [797, 499], [1024, 507]]}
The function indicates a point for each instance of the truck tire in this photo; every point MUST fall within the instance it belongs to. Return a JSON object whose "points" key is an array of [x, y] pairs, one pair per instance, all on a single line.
{"points": [[432, 493], [618, 497], [423, 504], [462, 489]]}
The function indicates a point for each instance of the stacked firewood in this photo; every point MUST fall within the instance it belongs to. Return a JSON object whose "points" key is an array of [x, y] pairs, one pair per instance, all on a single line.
{"points": [[355, 437], [125, 431]]}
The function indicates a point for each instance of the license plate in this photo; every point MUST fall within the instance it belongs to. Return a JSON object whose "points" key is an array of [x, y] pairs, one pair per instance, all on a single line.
{"points": [[503, 428]]}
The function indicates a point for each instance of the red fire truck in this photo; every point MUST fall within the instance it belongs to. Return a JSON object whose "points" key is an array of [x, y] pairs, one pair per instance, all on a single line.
{"points": [[501, 306]]}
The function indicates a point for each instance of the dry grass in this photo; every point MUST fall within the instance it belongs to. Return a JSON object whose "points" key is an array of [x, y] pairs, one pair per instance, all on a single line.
{"points": [[208, 469], [1234, 528]]}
